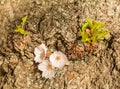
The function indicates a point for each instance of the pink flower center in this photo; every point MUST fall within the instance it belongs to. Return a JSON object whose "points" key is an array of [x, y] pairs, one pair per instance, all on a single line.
{"points": [[48, 53], [49, 67], [58, 58], [42, 54]]}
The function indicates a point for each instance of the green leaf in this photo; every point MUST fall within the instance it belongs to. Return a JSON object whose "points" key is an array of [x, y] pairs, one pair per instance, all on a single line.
{"points": [[102, 34], [89, 21], [23, 21], [20, 30], [100, 25], [26, 33], [95, 24], [95, 31], [84, 26], [94, 39], [85, 37]]}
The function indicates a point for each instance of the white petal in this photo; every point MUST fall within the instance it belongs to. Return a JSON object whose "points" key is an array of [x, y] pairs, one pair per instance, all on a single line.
{"points": [[48, 74], [43, 66], [58, 63], [37, 51], [37, 59], [40, 53], [44, 47]]}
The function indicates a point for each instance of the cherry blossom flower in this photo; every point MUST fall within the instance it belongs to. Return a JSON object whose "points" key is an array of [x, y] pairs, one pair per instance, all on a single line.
{"points": [[47, 69], [40, 53], [58, 59]]}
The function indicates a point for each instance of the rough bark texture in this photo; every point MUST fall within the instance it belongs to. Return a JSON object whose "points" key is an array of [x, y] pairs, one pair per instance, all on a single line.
{"points": [[56, 23]]}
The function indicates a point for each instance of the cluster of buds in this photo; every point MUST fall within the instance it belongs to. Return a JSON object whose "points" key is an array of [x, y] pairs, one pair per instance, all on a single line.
{"points": [[49, 61]]}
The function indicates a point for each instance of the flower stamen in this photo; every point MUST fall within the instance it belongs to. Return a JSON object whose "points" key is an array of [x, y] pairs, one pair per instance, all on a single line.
{"points": [[58, 58], [42, 54], [49, 67]]}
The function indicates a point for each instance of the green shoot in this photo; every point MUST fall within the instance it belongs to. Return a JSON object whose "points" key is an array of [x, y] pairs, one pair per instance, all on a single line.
{"points": [[20, 29], [91, 31], [23, 21]]}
